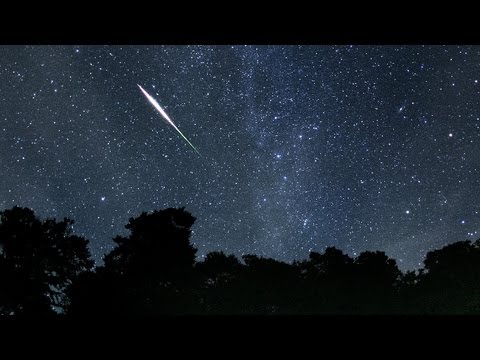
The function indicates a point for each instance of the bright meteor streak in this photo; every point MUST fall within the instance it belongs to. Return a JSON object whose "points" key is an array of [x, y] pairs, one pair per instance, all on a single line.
{"points": [[157, 106]]}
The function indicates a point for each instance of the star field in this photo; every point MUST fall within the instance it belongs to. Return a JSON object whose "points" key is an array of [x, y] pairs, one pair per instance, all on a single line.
{"points": [[303, 147]]}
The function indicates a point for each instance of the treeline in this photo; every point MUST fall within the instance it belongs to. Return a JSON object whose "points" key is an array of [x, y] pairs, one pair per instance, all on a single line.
{"points": [[46, 271]]}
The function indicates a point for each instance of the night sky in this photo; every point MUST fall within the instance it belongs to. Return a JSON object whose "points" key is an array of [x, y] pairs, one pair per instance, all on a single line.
{"points": [[303, 147]]}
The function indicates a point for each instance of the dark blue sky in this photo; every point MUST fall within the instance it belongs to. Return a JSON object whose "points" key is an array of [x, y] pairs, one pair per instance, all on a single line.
{"points": [[304, 147]]}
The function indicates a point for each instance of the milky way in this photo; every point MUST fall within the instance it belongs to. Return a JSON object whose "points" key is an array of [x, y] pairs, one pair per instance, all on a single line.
{"points": [[359, 147]]}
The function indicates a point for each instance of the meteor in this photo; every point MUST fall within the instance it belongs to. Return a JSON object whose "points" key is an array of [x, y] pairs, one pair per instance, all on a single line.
{"points": [[157, 106]]}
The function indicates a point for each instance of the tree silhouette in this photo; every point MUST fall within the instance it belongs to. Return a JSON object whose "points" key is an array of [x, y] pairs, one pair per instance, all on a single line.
{"points": [[220, 275], [38, 260], [450, 282], [153, 272], [97, 294], [158, 246], [376, 278], [149, 273], [327, 282], [332, 261], [409, 299], [219, 268], [268, 286]]}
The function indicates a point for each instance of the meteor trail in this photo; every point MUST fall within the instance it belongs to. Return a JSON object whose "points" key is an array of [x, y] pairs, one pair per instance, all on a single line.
{"points": [[157, 106]]}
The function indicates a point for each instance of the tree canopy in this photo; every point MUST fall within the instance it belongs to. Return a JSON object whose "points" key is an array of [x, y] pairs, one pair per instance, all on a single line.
{"points": [[38, 260], [45, 270]]}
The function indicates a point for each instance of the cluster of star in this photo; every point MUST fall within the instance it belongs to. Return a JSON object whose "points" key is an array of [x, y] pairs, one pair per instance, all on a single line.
{"points": [[303, 147]]}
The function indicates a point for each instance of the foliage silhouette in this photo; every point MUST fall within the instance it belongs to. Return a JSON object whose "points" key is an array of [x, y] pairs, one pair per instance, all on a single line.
{"points": [[268, 286], [38, 260], [157, 248], [219, 276], [376, 278], [450, 282], [149, 273], [154, 272]]}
